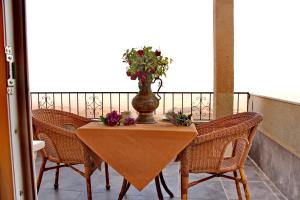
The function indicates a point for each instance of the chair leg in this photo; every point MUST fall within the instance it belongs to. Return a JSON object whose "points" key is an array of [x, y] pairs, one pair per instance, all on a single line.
{"points": [[157, 183], [56, 177], [184, 178], [88, 187], [237, 185], [245, 183], [107, 176], [42, 169], [163, 182]]}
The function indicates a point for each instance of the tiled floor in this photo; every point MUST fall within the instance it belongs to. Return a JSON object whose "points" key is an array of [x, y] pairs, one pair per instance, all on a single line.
{"points": [[72, 186]]}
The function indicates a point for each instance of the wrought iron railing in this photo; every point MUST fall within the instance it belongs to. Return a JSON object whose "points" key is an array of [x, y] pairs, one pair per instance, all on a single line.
{"points": [[96, 104]]}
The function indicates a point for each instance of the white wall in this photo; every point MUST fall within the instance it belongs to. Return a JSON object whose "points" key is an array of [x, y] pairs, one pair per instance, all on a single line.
{"points": [[267, 47], [77, 45]]}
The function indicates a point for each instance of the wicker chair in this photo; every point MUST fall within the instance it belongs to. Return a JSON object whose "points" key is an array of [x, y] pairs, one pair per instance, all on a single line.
{"points": [[206, 154], [57, 128]]}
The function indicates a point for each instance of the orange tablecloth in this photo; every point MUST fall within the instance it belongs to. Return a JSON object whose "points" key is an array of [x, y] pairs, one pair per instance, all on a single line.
{"points": [[138, 152]]}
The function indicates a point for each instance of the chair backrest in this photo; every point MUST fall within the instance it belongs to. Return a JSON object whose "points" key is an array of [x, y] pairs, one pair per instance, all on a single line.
{"points": [[57, 128], [59, 118], [207, 152]]}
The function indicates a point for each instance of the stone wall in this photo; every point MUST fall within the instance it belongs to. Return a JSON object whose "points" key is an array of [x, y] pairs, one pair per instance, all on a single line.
{"points": [[276, 147]]}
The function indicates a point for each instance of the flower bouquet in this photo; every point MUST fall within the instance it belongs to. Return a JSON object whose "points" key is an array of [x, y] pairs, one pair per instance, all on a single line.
{"points": [[179, 119], [115, 119], [145, 64]]}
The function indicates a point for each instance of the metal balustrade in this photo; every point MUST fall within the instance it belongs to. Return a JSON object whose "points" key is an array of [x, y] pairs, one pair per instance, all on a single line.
{"points": [[96, 104]]}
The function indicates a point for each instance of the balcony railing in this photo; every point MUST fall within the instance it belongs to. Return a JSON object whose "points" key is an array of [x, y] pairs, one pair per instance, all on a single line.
{"points": [[96, 104]]}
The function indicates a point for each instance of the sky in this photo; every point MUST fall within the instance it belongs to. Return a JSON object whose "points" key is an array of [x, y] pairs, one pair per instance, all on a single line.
{"points": [[77, 45]]}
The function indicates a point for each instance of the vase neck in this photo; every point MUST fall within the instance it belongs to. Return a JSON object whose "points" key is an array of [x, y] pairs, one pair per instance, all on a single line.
{"points": [[145, 87]]}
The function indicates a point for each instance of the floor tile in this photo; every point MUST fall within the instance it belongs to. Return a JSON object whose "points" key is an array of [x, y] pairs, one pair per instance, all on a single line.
{"points": [[207, 190], [258, 190], [68, 180], [51, 194], [72, 186]]}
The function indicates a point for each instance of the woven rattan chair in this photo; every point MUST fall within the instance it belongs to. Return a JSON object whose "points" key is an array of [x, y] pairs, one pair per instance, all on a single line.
{"points": [[57, 129], [206, 153]]}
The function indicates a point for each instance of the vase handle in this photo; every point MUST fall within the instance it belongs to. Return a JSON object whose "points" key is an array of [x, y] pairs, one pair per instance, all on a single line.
{"points": [[159, 86]]}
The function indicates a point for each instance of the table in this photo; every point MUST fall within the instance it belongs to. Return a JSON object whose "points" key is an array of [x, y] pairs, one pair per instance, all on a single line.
{"points": [[36, 146], [138, 152]]}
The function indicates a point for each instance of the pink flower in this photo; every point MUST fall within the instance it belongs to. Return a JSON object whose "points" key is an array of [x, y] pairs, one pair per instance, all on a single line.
{"points": [[157, 53], [140, 53], [129, 121], [143, 79], [133, 77], [113, 118], [139, 74], [153, 70]]}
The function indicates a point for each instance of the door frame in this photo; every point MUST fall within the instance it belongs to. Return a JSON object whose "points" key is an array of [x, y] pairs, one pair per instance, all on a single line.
{"points": [[6, 181], [22, 111]]}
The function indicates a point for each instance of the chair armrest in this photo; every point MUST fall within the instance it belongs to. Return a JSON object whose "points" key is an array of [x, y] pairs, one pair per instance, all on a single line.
{"points": [[79, 120]]}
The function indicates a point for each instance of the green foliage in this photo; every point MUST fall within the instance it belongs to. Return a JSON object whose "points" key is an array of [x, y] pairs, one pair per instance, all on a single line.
{"points": [[145, 64], [179, 118]]}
